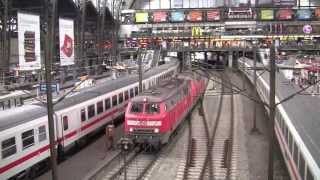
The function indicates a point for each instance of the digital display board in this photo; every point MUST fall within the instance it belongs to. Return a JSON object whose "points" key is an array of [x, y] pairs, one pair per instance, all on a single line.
{"points": [[284, 14], [194, 16], [177, 16], [240, 13], [266, 14], [160, 16], [303, 14], [213, 15], [142, 17]]}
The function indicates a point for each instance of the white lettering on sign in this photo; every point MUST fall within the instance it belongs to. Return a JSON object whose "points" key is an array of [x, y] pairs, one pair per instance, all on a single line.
{"points": [[143, 123]]}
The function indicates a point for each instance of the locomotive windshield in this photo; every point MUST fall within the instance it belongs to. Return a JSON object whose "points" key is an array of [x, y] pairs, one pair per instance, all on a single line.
{"points": [[152, 108], [137, 108], [147, 108]]}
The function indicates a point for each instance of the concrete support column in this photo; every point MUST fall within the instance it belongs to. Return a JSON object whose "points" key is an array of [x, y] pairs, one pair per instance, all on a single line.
{"points": [[230, 59]]}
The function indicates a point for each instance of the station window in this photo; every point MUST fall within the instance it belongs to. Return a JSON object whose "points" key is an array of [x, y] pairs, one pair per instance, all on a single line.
{"points": [[83, 115], [114, 100], [8, 147], [131, 93], [136, 91], [126, 95], [42, 133], [65, 122], [99, 107], [27, 139], [120, 98], [91, 112], [107, 104]]}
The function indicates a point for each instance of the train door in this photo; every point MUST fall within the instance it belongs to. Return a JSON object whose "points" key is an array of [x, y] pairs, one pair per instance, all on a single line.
{"points": [[70, 127]]}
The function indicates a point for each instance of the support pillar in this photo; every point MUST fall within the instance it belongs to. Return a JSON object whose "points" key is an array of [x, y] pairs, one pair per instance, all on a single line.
{"points": [[230, 59]]}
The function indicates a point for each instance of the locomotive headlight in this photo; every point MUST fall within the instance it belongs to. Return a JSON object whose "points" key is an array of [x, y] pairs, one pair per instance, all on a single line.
{"points": [[156, 130], [131, 129]]}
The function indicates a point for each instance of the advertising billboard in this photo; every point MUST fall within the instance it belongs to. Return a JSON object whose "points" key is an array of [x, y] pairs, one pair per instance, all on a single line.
{"points": [[194, 16], [160, 16], [240, 13], [29, 41], [66, 36], [317, 13], [213, 15], [304, 14], [284, 14], [142, 17], [267, 14], [177, 16]]}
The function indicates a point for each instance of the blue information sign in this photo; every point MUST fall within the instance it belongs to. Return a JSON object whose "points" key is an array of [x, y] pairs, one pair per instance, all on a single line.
{"points": [[54, 87]]}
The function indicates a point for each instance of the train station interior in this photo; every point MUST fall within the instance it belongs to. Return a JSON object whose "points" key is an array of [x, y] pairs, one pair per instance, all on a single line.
{"points": [[159, 89]]}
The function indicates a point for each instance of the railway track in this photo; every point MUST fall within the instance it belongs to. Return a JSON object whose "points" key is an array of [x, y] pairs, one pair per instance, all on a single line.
{"points": [[127, 165], [221, 141]]}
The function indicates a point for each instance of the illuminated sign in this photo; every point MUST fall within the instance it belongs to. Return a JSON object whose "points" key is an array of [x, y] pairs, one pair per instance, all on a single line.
{"points": [[266, 14], [240, 13], [303, 14], [160, 16], [284, 14], [142, 17], [213, 15], [196, 31], [194, 16], [177, 16]]}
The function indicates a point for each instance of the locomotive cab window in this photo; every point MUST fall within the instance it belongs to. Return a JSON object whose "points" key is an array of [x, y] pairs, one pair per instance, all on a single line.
{"points": [[137, 108], [27, 139], [114, 100], [8, 147], [152, 108]]}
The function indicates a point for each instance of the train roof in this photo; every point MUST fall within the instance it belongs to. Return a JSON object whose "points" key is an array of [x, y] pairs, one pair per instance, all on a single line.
{"points": [[13, 117], [303, 111], [162, 92]]}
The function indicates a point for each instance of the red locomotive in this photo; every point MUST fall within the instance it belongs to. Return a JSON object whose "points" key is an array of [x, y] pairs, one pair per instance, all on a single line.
{"points": [[155, 114]]}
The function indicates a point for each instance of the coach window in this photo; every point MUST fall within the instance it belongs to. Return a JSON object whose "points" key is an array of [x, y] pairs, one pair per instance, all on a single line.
{"points": [[301, 165], [91, 112], [27, 139], [107, 104], [136, 91], [114, 100], [120, 98], [131, 93], [99, 107], [295, 153], [65, 122], [8, 147], [83, 115], [126, 95], [42, 133], [309, 175]]}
